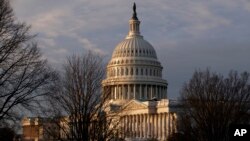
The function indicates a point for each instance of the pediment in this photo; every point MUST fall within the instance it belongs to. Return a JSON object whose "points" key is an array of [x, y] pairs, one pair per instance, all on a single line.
{"points": [[134, 105]]}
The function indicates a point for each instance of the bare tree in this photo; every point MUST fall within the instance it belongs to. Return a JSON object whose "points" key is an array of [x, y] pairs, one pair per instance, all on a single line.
{"points": [[212, 103], [81, 103], [23, 74]]}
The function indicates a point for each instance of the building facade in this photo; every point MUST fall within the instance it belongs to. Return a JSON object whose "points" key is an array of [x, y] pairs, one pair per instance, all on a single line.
{"points": [[40, 129], [134, 78]]}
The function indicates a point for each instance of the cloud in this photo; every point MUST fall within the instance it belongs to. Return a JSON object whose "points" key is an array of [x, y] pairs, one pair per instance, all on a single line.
{"points": [[202, 19], [50, 23], [187, 34]]}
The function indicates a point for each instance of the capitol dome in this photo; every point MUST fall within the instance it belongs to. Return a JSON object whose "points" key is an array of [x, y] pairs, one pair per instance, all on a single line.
{"points": [[134, 71], [134, 47]]}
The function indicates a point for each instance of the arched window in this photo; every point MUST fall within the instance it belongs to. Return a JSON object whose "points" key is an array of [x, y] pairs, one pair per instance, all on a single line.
{"points": [[131, 71], [122, 71], [146, 72], [141, 71], [136, 71], [118, 71], [126, 71]]}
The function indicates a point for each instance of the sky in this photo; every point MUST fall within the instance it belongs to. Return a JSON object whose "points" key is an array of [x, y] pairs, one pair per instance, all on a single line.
{"points": [[187, 34]]}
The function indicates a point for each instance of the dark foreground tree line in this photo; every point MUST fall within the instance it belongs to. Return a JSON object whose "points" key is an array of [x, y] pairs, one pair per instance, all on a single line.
{"points": [[24, 75], [211, 103], [79, 98]]}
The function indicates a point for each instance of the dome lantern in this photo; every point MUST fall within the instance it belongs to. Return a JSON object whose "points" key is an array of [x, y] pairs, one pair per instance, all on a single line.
{"points": [[134, 25]]}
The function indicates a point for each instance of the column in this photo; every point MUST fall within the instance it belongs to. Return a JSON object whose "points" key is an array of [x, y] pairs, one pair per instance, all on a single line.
{"points": [[138, 126], [145, 92], [144, 126], [164, 126], [158, 92], [129, 91], [133, 135], [122, 126], [141, 125], [152, 125], [160, 124], [134, 90], [115, 92], [130, 125], [157, 126], [126, 86], [170, 124], [151, 91], [131, 131], [175, 122], [134, 69], [123, 92], [135, 120], [167, 124], [125, 127], [148, 127], [140, 92], [118, 92]]}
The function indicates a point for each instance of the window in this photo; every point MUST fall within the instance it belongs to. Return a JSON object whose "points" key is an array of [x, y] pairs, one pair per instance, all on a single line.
{"points": [[122, 71]]}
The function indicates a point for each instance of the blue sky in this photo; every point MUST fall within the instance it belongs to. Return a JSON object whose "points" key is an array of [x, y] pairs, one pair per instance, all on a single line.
{"points": [[186, 34]]}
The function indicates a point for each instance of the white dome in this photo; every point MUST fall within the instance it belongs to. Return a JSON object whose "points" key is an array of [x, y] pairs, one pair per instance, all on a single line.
{"points": [[134, 47], [134, 71]]}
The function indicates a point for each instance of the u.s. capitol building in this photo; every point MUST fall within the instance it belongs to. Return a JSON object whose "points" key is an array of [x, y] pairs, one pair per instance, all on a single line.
{"points": [[134, 77]]}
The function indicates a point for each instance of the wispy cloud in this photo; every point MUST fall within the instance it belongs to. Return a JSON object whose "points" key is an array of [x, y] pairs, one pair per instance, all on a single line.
{"points": [[187, 34]]}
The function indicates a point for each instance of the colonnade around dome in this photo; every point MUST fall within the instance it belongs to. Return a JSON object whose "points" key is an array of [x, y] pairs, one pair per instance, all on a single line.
{"points": [[125, 71], [140, 92]]}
